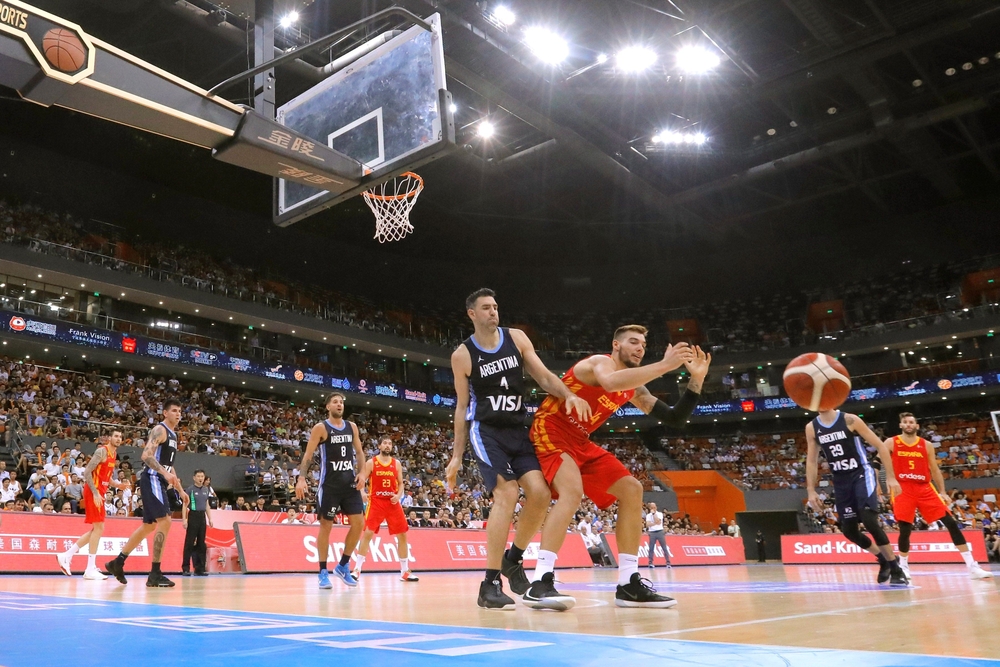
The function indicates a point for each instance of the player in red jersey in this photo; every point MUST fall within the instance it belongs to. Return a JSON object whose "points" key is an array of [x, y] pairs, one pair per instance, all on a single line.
{"points": [[574, 466], [917, 472], [98, 478], [385, 489]]}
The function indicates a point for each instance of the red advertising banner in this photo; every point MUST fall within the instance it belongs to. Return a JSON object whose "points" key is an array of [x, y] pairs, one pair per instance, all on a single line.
{"points": [[29, 542], [690, 550], [925, 547], [291, 548]]}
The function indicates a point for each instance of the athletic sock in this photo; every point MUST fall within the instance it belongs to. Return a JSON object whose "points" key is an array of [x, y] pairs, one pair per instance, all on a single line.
{"points": [[404, 565], [903, 560], [359, 562], [628, 564], [492, 575], [121, 557], [970, 562], [92, 562], [323, 566], [73, 550], [345, 559], [515, 553], [546, 563], [155, 569]]}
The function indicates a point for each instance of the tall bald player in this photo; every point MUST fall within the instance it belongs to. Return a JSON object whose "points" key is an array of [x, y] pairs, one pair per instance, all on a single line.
{"points": [[489, 382], [339, 485]]}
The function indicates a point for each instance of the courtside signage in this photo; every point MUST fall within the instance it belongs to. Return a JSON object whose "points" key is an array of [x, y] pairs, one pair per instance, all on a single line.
{"points": [[691, 550], [925, 547]]}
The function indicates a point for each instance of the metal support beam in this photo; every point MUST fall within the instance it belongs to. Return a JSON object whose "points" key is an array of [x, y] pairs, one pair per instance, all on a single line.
{"points": [[263, 51]]}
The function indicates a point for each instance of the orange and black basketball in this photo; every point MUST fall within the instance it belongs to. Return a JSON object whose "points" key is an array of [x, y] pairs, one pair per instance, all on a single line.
{"points": [[64, 50], [817, 381]]}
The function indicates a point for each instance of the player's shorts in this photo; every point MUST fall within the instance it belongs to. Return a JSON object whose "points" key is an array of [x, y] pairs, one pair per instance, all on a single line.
{"points": [[383, 510], [921, 497], [855, 493], [599, 468], [94, 509], [502, 450], [339, 495], [153, 491]]}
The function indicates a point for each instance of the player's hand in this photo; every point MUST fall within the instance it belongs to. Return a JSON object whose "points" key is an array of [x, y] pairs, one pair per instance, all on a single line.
{"points": [[171, 479], [677, 355], [815, 502], [184, 523], [946, 499], [394, 500], [894, 488], [700, 361], [451, 474], [359, 481], [300, 488], [210, 524], [579, 406]]}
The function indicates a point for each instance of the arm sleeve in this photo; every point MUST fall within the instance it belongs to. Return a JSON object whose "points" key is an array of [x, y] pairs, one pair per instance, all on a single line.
{"points": [[677, 414]]}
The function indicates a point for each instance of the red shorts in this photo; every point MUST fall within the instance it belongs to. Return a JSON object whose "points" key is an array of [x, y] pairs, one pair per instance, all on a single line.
{"points": [[921, 497], [599, 468], [94, 509], [383, 510]]}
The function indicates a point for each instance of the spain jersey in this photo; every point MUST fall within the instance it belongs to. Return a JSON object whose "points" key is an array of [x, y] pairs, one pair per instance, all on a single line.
{"points": [[910, 461], [913, 472], [101, 476], [383, 484], [551, 419]]}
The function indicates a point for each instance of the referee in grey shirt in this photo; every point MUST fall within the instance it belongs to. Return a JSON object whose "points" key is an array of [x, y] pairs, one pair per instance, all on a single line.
{"points": [[197, 516], [654, 527]]}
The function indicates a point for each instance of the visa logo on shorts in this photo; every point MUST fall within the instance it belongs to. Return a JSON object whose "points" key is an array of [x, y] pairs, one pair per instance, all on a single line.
{"points": [[505, 403], [698, 550]]}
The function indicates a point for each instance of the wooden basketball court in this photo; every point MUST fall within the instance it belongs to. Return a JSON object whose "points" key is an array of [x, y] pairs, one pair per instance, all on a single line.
{"points": [[755, 614]]}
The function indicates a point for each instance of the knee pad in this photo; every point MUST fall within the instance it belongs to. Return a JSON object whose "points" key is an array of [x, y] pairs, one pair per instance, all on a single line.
{"points": [[953, 529], [870, 519]]}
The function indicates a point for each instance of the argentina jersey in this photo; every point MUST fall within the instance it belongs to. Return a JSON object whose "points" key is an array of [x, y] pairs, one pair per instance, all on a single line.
{"points": [[496, 385], [165, 453], [336, 453], [854, 481]]}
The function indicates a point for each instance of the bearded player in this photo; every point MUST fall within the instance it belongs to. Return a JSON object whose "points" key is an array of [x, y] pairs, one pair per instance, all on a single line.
{"points": [[385, 489], [574, 466], [98, 476], [915, 466]]}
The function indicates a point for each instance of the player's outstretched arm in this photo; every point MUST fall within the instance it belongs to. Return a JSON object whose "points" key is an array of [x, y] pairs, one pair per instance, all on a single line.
{"points": [[858, 425], [610, 379], [315, 437], [812, 467], [677, 415], [546, 379], [461, 368]]}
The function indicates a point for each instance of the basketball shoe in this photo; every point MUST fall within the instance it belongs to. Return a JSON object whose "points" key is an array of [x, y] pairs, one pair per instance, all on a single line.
{"points": [[64, 563], [639, 592], [409, 576], [344, 574], [94, 575], [324, 580], [491, 596], [543, 595], [115, 568], [977, 572], [514, 571], [157, 580]]}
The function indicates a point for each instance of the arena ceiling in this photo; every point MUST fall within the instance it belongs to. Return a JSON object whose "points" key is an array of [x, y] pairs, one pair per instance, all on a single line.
{"points": [[819, 112]]}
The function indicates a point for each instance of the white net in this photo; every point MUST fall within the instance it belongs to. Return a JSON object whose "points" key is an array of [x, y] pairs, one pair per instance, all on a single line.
{"points": [[391, 203]]}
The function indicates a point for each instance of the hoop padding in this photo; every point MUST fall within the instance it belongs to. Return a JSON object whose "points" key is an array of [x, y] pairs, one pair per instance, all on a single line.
{"points": [[391, 202]]}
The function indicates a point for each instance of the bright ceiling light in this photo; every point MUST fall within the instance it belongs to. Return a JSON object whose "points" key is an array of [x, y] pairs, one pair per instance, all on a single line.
{"points": [[289, 19], [696, 60], [546, 45], [504, 14], [635, 59], [602, 58], [452, 107], [486, 129]]}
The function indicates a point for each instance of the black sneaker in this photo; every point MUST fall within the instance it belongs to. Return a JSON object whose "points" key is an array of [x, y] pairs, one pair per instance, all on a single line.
{"points": [[884, 569], [200, 574], [157, 580], [185, 573], [543, 595], [514, 572], [491, 596], [115, 569], [897, 576], [639, 592]]}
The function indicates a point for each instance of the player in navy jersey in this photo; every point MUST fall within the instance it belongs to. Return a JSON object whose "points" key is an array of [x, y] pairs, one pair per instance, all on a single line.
{"points": [[489, 382], [855, 484], [154, 479], [340, 480]]}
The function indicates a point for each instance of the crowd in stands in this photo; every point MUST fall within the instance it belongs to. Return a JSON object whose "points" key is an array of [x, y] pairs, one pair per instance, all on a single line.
{"points": [[64, 405], [967, 447], [909, 297]]}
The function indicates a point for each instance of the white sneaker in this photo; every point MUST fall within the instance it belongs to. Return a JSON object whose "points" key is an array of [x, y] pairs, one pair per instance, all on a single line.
{"points": [[979, 573], [94, 575], [906, 569], [64, 563]]}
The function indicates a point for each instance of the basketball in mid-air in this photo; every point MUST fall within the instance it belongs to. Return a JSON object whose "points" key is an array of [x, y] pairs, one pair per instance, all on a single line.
{"points": [[817, 381], [63, 50]]}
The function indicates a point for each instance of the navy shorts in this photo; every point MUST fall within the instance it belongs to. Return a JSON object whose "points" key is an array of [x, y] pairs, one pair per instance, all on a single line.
{"points": [[502, 450], [339, 495], [855, 493], [153, 490]]}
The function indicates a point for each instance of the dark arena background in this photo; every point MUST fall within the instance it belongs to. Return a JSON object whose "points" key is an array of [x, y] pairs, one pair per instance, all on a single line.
{"points": [[208, 202]]}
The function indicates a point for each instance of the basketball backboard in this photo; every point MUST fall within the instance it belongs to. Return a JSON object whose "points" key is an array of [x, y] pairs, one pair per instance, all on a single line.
{"points": [[389, 110]]}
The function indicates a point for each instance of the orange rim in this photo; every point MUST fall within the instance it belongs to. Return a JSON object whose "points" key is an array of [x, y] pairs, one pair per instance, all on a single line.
{"points": [[406, 195]]}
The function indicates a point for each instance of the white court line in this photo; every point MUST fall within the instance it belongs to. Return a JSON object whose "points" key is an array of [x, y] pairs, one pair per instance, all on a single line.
{"points": [[791, 617]]}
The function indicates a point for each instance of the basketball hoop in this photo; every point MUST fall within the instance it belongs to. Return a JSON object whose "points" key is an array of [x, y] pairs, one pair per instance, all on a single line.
{"points": [[391, 202]]}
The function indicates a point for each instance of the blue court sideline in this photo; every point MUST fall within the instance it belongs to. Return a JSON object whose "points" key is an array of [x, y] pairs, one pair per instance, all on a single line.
{"points": [[37, 628]]}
